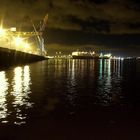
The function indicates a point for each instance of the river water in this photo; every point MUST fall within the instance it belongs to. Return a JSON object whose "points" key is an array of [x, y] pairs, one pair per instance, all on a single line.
{"points": [[46, 95]]}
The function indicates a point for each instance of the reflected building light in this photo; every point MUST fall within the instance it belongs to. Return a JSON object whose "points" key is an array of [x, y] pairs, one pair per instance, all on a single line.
{"points": [[57, 67], [105, 67], [120, 67], [26, 79], [73, 70], [69, 64], [71, 85], [82, 66], [71, 78], [17, 83], [119, 61], [117, 66], [114, 65], [108, 74], [21, 90], [19, 123], [92, 68], [104, 83], [3, 93], [109, 67], [100, 68], [108, 82]]}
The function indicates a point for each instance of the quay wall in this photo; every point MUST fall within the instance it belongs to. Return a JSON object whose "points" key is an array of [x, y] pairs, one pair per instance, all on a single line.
{"points": [[12, 57]]}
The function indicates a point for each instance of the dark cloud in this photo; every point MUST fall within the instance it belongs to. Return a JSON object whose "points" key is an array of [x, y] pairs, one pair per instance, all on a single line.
{"points": [[134, 26], [90, 15], [99, 1], [90, 24], [135, 5], [100, 22], [84, 25], [59, 36]]}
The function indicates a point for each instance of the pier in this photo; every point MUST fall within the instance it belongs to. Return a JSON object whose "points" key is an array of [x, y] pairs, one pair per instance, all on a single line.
{"points": [[20, 47]]}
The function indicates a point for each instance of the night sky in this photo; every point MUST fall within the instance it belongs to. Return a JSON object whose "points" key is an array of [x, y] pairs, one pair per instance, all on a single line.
{"points": [[101, 25]]}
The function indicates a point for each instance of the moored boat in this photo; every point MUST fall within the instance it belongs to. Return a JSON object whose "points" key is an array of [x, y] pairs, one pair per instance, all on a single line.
{"points": [[105, 56], [89, 55], [84, 55]]}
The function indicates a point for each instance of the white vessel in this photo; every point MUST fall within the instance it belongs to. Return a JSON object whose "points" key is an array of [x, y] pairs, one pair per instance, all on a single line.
{"points": [[84, 55], [89, 55]]}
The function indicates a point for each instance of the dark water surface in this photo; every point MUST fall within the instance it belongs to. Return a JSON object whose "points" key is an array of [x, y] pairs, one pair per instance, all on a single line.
{"points": [[71, 99]]}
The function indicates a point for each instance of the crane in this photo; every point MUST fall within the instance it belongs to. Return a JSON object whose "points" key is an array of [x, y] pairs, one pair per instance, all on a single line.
{"points": [[37, 34]]}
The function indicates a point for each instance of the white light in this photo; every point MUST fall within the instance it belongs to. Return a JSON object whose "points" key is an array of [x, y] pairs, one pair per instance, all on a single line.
{"points": [[107, 55], [18, 41], [26, 45], [13, 29], [75, 53], [2, 32]]}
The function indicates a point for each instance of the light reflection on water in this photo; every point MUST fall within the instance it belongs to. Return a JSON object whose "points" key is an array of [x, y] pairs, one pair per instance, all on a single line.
{"points": [[18, 95], [71, 84], [95, 80], [109, 81], [65, 85], [3, 93], [106, 89]]}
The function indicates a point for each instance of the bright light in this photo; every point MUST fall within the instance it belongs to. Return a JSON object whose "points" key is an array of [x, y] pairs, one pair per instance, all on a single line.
{"points": [[101, 54], [13, 29], [2, 32], [107, 55], [93, 53], [3, 92], [26, 45], [75, 53], [18, 41]]}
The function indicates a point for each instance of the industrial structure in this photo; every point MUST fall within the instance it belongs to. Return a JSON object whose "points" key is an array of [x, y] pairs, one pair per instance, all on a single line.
{"points": [[17, 47]]}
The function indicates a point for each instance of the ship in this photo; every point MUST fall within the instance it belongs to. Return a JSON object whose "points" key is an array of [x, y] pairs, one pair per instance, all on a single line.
{"points": [[105, 56], [89, 55], [84, 55]]}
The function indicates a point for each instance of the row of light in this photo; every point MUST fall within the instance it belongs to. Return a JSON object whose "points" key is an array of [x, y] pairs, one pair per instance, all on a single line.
{"points": [[119, 58], [17, 40]]}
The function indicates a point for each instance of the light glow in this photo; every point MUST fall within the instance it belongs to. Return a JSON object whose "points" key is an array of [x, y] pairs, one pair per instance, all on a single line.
{"points": [[26, 45], [75, 53], [3, 93], [18, 41], [2, 32], [107, 55]]}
